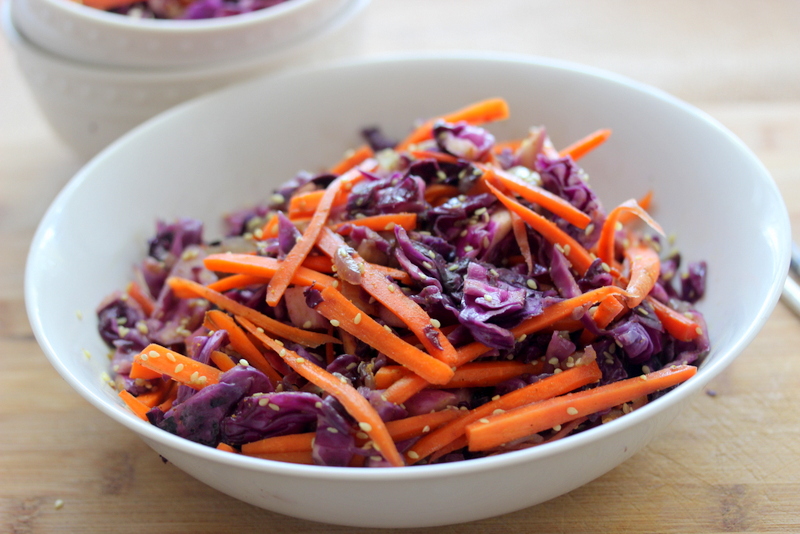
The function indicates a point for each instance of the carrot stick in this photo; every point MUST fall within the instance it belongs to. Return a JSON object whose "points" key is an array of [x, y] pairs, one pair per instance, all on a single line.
{"points": [[155, 396], [320, 264], [304, 204], [140, 371], [399, 430], [458, 443], [222, 360], [237, 281], [645, 267], [145, 301], [608, 310], [218, 320], [496, 430], [549, 387], [263, 267], [185, 370], [283, 277], [605, 245], [470, 375], [581, 147], [225, 447], [493, 109], [643, 202], [387, 293], [270, 228], [675, 323], [537, 195], [578, 256], [441, 157], [352, 158], [381, 223], [356, 405], [172, 395], [344, 314], [136, 406], [184, 288], [406, 387], [436, 192], [521, 237]]}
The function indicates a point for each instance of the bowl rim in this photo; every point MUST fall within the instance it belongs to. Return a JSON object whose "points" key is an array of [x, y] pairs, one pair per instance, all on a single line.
{"points": [[179, 26], [122, 75], [705, 373]]}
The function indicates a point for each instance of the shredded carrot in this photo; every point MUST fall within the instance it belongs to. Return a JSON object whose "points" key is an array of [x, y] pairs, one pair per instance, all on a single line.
{"points": [[184, 288], [441, 157], [237, 281], [645, 266], [521, 237], [383, 223], [283, 277], [185, 370], [435, 193], [356, 405], [375, 283], [136, 406], [580, 148], [490, 110], [140, 371], [218, 320], [470, 375], [304, 204], [539, 416], [537, 195], [263, 267], [225, 447], [320, 264], [352, 158], [406, 387], [145, 301], [605, 245], [270, 228], [156, 395], [578, 256], [344, 314], [644, 203], [675, 323], [552, 386], [287, 443], [222, 360]]}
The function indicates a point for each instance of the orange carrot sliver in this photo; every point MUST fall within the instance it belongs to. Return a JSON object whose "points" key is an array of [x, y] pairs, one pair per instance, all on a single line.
{"points": [[155, 396], [136, 406], [441, 157], [218, 320], [140, 371], [382, 223], [145, 301], [605, 245], [675, 323], [436, 192], [356, 405], [283, 277], [645, 266], [540, 416], [553, 203], [552, 386], [184, 288], [521, 237], [185, 370], [287, 443], [237, 281], [335, 307], [578, 256], [581, 147], [225, 447], [643, 202], [261, 266], [352, 158], [222, 360], [493, 109], [477, 374]]}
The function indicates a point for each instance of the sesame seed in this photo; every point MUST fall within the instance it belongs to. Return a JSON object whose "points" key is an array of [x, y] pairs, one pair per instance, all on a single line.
{"points": [[436, 323], [426, 429], [389, 227], [453, 267], [427, 265], [413, 455], [699, 331], [605, 267], [87, 354], [386, 327], [202, 380], [531, 283], [567, 250], [300, 360], [572, 411], [263, 402], [496, 397], [142, 327], [480, 211], [522, 338], [194, 377], [123, 331], [335, 284], [468, 248], [59, 504], [498, 411], [431, 254], [643, 377], [170, 356], [488, 298], [557, 428], [332, 430], [375, 458], [243, 362], [553, 361], [307, 325], [391, 288], [589, 229], [645, 369], [261, 330], [463, 233], [556, 371], [357, 318], [366, 427], [334, 323], [277, 198], [483, 420], [178, 368], [258, 233], [559, 248], [143, 357], [318, 405], [361, 435]]}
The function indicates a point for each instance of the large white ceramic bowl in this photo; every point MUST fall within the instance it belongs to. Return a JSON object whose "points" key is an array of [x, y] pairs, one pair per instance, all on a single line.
{"points": [[89, 106], [232, 148], [69, 29]]}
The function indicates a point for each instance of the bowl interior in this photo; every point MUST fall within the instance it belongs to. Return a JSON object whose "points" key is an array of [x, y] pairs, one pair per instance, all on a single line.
{"points": [[231, 149]]}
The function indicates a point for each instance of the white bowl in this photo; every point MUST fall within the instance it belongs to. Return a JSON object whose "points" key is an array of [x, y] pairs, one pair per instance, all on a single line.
{"points": [[709, 190], [74, 31], [90, 106]]}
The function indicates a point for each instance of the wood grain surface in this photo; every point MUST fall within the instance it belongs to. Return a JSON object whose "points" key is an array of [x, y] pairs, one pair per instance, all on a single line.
{"points": [[730, 463]]}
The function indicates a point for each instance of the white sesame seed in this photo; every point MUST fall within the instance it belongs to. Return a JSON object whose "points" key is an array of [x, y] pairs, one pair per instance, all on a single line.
{"points": [[589, 229], [498, 411], [426, 429], [531, 283], [202, 380], [605, 267], [178, 368], [263, 402], [79, 314], [468, 248], [557, 428], [307, 325], [277, 198], [522, 338], [572, 411], [361, 435], [334, 323], [375, 458], [300, 360], [427, 265], [480, 211], [335, 284], [618, 226], [366, 427], [559, 248], [453, 267], [386, 327], [496, 397], [59, 504], [317, 405], [483, 420], [436, 323], [154, 354], [556, 371], [170, 357], [391, 288], [143, 356], [645, 368], [643, 377], [261, 331], [553, 361], [488, 298], [194, 377], [282, 353], [413, 455], [567, 250], [243, 362], [389, 227], [357, 318], [332, 430], [699, 331]]}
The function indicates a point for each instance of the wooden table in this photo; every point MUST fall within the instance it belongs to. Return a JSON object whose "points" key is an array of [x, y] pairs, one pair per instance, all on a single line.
{"points": [[730, 463]]}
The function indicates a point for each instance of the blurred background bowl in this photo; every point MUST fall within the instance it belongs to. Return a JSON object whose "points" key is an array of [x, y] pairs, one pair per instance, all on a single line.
{"points": [[80, 33], [89, 106], [709, 191]]}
